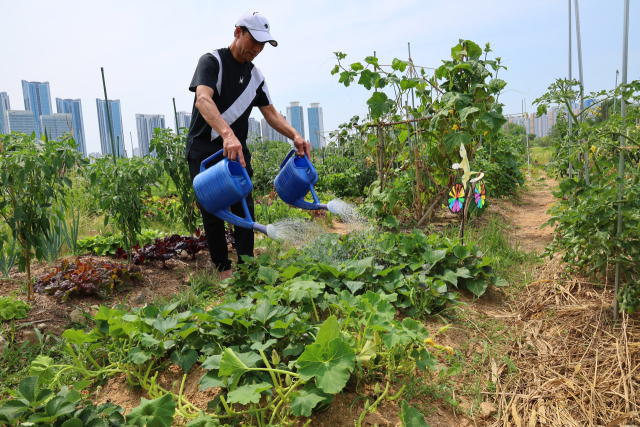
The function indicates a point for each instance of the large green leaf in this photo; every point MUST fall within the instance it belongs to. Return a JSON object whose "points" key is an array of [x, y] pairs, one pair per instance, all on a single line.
{"points": [[459, 100], [164, 325], [78, 336], [465, 112], [300, 290], [453, 140], [329, 330], [331, 365], [306, 399], [59, 406], [268, 275], [232, 362], [477, 286], [494, 120], [380, 104], [411, 417], [153, 413], [184, 359], [204, 420], [424, 359], [210, 379], [248, 393], [41, 367]]}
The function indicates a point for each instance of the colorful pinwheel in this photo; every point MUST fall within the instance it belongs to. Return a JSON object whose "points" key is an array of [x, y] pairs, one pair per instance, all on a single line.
{"points": [[480, 193], [456, 198]]}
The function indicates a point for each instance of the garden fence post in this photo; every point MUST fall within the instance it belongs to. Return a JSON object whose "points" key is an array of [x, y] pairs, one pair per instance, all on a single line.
{"points": [[570, 107], [106, 102], [175, 113], [623, 114]]}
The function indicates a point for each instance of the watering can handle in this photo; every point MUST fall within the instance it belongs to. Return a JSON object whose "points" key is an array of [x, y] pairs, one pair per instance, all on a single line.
{"points": [[286, 159], [205, 162]]}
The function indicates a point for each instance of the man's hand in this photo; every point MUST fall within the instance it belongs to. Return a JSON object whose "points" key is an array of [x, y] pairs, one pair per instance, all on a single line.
{"points": [[233, 149], [302, 146]]}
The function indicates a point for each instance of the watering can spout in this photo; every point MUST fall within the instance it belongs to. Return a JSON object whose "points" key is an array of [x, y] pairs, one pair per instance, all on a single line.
{"points": [[269, 230]]}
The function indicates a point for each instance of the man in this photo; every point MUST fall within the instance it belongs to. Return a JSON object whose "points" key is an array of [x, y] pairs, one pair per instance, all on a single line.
{"points": [[227, 86]]}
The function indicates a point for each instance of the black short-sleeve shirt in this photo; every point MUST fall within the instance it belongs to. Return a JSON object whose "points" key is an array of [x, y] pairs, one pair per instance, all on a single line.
{"points": [[237, 88]]}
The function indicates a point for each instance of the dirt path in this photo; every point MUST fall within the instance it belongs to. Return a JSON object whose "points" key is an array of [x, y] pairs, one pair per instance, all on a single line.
{"points": [[529, 213]]}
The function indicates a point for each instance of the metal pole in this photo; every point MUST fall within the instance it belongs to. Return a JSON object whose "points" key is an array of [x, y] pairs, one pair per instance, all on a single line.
{"points": [[176, 114], [527, 137], [106, 102], [586, 151], [614, 96], [623, 114], [569, 122]]}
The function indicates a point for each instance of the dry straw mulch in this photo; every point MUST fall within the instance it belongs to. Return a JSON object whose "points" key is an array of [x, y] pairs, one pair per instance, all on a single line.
{"points": [[575, 365]]}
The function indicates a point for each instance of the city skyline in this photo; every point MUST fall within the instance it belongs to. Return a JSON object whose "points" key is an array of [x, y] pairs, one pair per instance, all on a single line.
{"points": [[55, 125]]}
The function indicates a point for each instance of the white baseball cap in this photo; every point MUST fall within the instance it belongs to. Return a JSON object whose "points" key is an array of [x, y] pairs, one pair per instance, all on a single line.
{"points": [[258, 27]]}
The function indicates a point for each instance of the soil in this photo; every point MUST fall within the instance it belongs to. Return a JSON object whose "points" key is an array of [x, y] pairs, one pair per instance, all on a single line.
{"points": [[525, 215], [528, 213]]}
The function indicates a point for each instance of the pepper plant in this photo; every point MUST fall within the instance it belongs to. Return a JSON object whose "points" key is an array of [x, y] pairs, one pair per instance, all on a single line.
{"points": [[458, 105], [118, 188], [32, 182], [170, 150]]}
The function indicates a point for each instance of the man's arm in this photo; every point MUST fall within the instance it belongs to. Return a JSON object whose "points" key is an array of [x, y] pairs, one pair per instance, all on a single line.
{"points": [[281, 126], [209, 110]]}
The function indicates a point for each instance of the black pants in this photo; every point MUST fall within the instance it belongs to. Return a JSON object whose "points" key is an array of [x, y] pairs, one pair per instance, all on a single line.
{"points": [[214, 227]]}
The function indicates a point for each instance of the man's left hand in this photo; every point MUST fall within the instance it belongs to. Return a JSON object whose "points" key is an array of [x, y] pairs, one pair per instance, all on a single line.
{"points": [[302, 146]]}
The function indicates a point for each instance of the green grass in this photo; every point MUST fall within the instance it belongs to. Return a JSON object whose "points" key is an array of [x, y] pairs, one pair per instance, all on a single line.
{"points": [[541, 154]]}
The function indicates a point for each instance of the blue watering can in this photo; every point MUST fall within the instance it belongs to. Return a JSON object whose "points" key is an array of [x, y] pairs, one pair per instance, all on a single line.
{"points": [[222, 185], [296, 178]]}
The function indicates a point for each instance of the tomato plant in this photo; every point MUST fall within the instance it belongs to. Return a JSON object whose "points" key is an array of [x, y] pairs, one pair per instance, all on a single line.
{"points": [[586, 214]]}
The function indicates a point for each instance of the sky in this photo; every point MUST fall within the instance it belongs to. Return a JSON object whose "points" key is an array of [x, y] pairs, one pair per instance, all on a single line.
{"points": [[149, 49]]}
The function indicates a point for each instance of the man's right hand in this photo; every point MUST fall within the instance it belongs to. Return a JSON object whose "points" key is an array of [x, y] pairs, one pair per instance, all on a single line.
{"points": [[233, 149]]}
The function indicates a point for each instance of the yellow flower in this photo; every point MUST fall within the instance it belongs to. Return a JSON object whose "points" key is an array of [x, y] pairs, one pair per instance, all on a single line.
{"points": [[429, 341], [449, 350], [455, 127], [450, 111], [486, 132]]}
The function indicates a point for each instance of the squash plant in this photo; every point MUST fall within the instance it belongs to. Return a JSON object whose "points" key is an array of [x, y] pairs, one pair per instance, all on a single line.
{"points": [[118, 188], [170, 150], [458, 105], [32, 180]]}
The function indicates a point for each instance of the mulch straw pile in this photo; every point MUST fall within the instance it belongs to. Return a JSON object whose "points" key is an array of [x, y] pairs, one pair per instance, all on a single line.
{"points": [[575, 365]]}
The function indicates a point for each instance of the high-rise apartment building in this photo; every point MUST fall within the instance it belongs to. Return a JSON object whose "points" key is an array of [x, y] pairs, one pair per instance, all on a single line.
{"points": [[115, 112], [184, 121], [55, 125], [74, 107], [5, 106], [269, 133], [146, 123], [136, 152], [37, 99], [295, 117], [20, 121], [254, 130], [316, 125]]}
